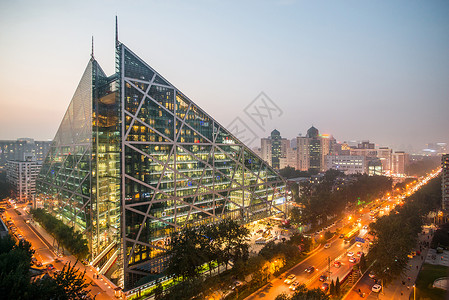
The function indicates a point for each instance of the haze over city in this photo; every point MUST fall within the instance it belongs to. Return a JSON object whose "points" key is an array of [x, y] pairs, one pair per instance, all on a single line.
{"points": [[376, 71]]}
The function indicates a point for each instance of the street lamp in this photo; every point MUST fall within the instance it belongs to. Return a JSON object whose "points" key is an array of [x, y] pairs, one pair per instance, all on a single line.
{"points": [[414, 292]]}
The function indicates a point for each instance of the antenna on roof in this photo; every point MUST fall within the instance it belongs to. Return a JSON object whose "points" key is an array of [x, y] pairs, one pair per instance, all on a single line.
{"points": [[92, 53], [116, 30]]}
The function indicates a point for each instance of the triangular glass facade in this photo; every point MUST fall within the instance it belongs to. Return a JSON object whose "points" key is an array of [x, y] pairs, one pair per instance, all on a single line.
{"points": [[135, 160]]}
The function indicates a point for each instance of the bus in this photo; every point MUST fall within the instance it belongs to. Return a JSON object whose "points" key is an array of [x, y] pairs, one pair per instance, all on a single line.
{"points": [[351, 235]]}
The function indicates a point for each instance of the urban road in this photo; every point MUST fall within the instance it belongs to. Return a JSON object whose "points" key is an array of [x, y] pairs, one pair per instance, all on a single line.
{"points": [[46, 253], [337, 251]]}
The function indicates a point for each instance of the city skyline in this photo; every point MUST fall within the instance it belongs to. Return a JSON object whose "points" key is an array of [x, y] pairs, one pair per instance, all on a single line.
{"points": [[315, 62]]}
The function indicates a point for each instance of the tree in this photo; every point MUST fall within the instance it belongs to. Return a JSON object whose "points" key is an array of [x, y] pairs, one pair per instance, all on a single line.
{"points": [[15, 262], [185, 259], [282, 296], [70, 283], [15, 277], [332, 288], [363, 263], [337, 287]]}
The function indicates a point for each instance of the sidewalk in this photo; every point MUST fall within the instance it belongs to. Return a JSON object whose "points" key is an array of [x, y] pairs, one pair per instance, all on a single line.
{"points": [[398, 290], [102, 288]]}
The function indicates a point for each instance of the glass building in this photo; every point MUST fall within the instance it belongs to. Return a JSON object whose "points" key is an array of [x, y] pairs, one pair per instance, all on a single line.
{"points": [[134, 159]]}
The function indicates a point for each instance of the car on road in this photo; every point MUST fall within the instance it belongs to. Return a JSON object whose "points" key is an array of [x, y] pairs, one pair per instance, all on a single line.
{"points": [[359, 253], [323, 277], [352, 260], [327, 246], [310, 269], [341, 236], [290, 279], [337, 264], [50, 267], [371, 274], [236, 284], [358, 245], [376, 288], [350, 254], [294, 285], [325, 286]]}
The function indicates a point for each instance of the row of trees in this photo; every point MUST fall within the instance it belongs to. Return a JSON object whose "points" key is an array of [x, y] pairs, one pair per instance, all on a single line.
{"points": [[72, 240], [331, 196], [16, 281], [210, 245], [192, 248], [302, 293], [397, 233]]}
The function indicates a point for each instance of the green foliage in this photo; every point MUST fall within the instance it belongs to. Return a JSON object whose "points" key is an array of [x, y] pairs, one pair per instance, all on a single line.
{"points": [[428, 274], [302, 293], [15, 277], [337, 287], [362, 263], [441, 237], [67, 284], [71, 239], [15, 262], [332, 288], [290, 172], [331, 197], [396, 234], [191, 248], [424, 166]]}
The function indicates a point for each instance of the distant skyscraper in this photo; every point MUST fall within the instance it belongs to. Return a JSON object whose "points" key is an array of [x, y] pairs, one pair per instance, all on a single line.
{"points": [[312, 149], [275, 149], [134, 160], [445, 182]]}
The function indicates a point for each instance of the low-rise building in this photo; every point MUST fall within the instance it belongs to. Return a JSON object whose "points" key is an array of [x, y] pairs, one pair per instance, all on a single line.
{"points": [[349, 164]]}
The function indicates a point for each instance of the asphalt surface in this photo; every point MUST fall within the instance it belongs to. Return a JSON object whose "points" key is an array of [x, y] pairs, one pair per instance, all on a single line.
{"points": [[46, 253]]}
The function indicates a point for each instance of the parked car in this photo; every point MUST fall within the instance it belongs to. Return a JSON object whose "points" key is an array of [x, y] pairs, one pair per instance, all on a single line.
{"points": [[359, 253], [337, 264], [376, 288], [352, 260], [371, 274], [50, 267], [327, 246], [323, 277], [350, 254]]}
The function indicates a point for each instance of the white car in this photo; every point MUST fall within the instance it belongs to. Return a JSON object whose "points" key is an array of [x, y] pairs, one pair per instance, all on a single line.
{"points": [[376, 288], [350, 254], [294, 285], [290, 279]]}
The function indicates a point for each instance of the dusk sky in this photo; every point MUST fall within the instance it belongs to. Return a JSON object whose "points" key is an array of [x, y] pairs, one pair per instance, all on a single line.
{"points": [[360, 70]]}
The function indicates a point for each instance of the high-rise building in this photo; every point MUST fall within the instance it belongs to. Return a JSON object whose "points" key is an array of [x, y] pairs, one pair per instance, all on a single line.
{"points": [[312, 149], [445, 182], [274, 149], [385, 155], [22, 174], [16, 149], [400, 161], [134, 160]]}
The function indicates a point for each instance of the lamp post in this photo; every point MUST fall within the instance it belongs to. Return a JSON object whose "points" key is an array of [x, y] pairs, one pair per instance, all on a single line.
{"points": [[414, 291]]}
